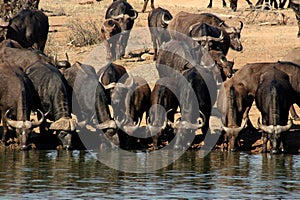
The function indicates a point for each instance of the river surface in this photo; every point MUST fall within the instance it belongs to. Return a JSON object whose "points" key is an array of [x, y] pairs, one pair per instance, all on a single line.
{"points": [[80, 175]]}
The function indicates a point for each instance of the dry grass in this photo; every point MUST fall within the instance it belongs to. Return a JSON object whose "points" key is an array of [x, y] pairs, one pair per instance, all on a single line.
{"points": [[83, 33]]}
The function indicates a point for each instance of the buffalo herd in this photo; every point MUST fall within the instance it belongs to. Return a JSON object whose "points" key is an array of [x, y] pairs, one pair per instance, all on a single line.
{"points": [[46, 101]]}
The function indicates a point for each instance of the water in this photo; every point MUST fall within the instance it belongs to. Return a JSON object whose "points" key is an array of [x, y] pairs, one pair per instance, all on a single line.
{"points": [[219, 175]]}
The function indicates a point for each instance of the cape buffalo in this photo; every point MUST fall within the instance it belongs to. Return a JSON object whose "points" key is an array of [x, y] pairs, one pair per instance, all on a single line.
{"points": [[195, 106], [50, 85], [89, 102], [29, 28], [158, 20], [109, 76], [176, 56], [164, 104], [145, 5], [130, 100], [17, 100], [273, 99], [237, 95], [124, 14], [109, 36], [194, 66], [184, 21]]}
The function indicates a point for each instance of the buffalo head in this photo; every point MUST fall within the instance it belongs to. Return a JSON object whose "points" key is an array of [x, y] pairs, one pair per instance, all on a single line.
{"points": [[233, 103], [274, 133], [23, 128], [235, 35], [185, 130], [225, 67]]}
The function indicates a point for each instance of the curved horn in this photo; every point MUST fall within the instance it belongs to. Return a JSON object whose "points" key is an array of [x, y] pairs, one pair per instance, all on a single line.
{"points": [[117, 16], [192, 27], [10, 122], [135, 15], [280, 129], [109, 86], [38, 123], [167, 122], [67, 57], [238, 129], [241, 25], [130, 129], [201, 120], [274, 129], [210, 38], [106, 124], [165, 21], [131, 83], [81, 124]]}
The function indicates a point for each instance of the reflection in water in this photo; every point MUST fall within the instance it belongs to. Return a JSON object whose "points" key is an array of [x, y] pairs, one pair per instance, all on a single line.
{"points": [[77, 174]]}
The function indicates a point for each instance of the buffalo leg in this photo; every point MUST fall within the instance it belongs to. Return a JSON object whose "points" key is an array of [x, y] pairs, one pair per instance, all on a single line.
{"points": [[250, 4], [259, 3], [66, 139], [210, 4], [267, 5], [5, 129], [264, 139], [109, 53], [233, 5], [152, 4], [274, 4], [145, 5], [224, 3], [154, 41], [124, 36], [282, 3]]}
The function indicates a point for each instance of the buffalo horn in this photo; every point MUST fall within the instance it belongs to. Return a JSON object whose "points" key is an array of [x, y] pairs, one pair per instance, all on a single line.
{"points": [[135, 15], [192, 27], [241, 25], [109, 86], [275, 129], [129, 129], [201, 119], [81, 124], [188, 125], [165, 21], [209, 38], [38, 123], [117, 16], [15, 123], [106, 124], [131, 83], [238, 129]]}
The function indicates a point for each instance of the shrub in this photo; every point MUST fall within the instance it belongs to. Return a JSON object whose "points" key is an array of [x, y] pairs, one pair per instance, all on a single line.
{"points": [[83, 33]]}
